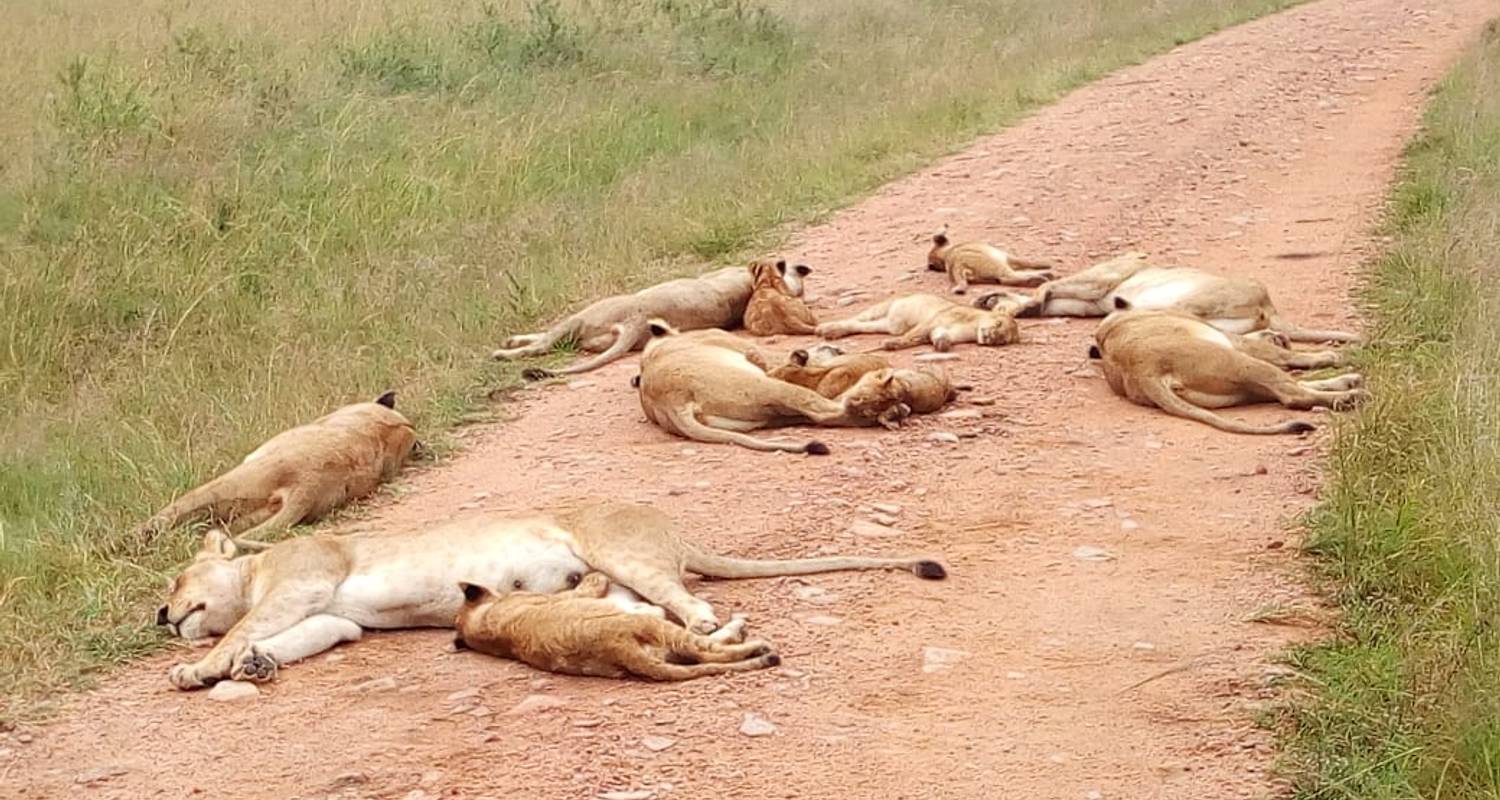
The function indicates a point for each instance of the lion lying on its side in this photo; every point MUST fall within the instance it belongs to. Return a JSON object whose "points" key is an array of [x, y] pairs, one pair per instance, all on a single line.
{"points": [[302, 596], [302, 473], [578, 632]]}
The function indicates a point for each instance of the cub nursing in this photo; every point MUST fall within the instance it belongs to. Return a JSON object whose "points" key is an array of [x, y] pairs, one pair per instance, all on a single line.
{"points": [[578, 632]]}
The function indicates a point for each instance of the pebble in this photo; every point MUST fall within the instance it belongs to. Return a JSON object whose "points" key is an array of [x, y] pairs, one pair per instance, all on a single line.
{"points": [[656, 744], [1144, 646], [1128, 524], [928, 358], [534, 703], [348, 779], [465, 694], [864, 527], [883, 519], [886, 508], [941, 659], [375, 685], [756, 725], [230, 691], [981, 400], [633, 794], [1090, 553], [819, 619], [961, 413], [100, 774], [943, 437], [430, 778]]}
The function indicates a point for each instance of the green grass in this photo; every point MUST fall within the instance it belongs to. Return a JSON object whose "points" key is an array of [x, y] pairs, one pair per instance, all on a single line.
{"points": [[221, 219], [1405, 701]]}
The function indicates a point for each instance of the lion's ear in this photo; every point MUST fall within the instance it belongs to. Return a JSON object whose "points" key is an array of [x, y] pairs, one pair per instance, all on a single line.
{"points": [[798, 357], [216, 544], [1094, 352], [473, 593]]}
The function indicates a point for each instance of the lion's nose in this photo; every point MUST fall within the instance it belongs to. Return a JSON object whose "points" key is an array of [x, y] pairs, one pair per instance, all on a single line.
{"points": [[161, 615]]}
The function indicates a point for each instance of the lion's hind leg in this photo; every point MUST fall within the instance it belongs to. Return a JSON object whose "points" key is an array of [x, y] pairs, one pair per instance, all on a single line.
{"points": [[670, 653]]}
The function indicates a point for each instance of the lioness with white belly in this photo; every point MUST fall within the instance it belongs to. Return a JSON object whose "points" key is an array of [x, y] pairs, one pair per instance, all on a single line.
{"points": [[917, 319], [1185, 366], [303, 596], [301, 473], [1129, 282], [615, 326]]}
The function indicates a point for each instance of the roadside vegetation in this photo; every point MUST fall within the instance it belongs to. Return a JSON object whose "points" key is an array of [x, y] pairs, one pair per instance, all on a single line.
{"points": [[220, 219], [1405, 701]]}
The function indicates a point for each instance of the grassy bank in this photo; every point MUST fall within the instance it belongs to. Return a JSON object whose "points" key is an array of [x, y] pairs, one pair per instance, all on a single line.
{"points": [[1405, 702], [220, 219]]}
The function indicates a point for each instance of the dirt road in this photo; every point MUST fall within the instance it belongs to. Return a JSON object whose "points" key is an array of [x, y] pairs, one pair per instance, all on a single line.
{"points": [[1262, 151]]}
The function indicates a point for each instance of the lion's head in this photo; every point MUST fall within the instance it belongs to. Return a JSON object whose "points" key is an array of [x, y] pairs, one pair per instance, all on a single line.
{"points": [[208, 597]]}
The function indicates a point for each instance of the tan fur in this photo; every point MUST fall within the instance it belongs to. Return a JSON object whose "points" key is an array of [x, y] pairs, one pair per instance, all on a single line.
{"points": [[773, 309], [830, 375], [300, 474], [712, 386], [888, 396], [1130, 282], [615, 326], [302, 596], [977, 262], [577, 632], [1184, 366], [917, 319]]}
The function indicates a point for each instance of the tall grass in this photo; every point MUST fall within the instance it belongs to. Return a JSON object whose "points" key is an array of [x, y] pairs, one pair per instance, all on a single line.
{"points": [[1406, 701], [220, 219]]}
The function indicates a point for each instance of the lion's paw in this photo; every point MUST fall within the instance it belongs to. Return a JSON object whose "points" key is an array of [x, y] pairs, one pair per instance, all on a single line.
{"points": [[254, 665]]}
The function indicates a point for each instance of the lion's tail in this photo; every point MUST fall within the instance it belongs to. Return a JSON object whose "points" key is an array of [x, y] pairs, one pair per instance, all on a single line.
{"points": [[717, 566]]}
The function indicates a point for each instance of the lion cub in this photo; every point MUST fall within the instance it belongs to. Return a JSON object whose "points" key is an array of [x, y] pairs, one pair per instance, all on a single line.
{"points": [[917, 319], [977, 262], [889, 396], [773, 308], [578, 632], [828, 370]]}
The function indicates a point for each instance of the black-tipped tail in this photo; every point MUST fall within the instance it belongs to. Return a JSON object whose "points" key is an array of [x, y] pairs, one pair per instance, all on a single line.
{"points": [[772, 660], [459, 643], [1300, 427], [816, 449], [388, 399], [930, 570], [535, 373]]}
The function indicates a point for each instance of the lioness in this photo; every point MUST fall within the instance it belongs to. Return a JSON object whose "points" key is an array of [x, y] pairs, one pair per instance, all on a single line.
{"points": [[917, 319], [577, 632], [615, 326], [773, 309], [302, 473], [977, 262], [1185, 366], [712, 386], [302, 596], [1129, 282]]}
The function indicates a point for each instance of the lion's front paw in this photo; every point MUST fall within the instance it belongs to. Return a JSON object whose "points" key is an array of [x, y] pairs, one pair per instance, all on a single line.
{"points": [[254, 665], [185, 677]]}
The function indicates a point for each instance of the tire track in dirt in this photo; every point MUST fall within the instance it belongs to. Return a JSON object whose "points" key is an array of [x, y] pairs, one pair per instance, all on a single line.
{"points": [[1134, 677]]}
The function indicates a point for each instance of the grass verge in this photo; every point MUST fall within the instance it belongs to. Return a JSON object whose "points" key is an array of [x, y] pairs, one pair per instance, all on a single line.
{"points": [[221, 219], [1405, 701]]}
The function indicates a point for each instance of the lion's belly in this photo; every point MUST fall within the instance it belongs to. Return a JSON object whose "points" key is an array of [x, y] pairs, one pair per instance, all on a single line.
{"points": [[420, 588]]}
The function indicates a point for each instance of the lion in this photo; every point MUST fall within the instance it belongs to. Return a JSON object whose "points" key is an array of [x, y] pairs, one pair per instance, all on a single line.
{"points": [[977, 262], [1128, 282], [301, 474], [773, 309], [578, 632], [828, 370], [917, 319], [302, 596], [889, 396], [615, 326], [1185, 366], [712, 386]]}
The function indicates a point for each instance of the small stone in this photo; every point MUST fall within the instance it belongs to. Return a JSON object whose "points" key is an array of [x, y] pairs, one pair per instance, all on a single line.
{"points": [[819, 619], [809, 591], [756, 725], [1128, 524], [349, 779], [375, 685], [23, 738], [981, 400], [656, 744], [863, 527], [230, 691], [1090, 553], [430, 778], [962, 414], [481, 711], [1144, 646], [1261, 469], [846, 301], [941, 659], [535, 703], [1093, 794], [633, 794], [580, 384], [702, 485], [1097, 502], [100, 774], [689, 451], [1016, 676], [929, 358], [886, 508], [883, 519], [587, 723], [1275, 544], [943, 437], [465, 694]]}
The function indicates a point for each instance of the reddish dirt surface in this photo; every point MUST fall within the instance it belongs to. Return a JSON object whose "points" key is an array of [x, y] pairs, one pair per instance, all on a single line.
{"points": [[1262, 151]]}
